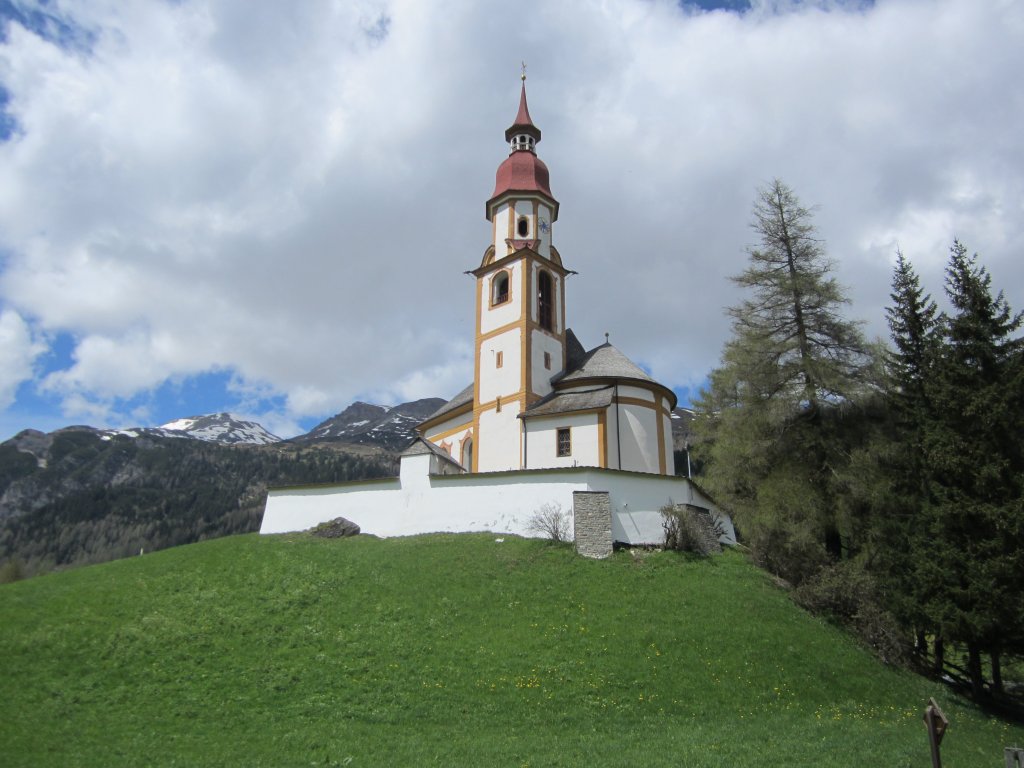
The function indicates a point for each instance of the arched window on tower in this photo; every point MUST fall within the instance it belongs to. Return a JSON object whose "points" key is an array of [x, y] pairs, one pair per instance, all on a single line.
{"points": [[523, 226], [545, 302], [499, 288], [467, 454]]}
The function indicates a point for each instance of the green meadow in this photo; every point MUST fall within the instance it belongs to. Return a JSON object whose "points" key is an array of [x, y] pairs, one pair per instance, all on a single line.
{"points": [[448, 650]]}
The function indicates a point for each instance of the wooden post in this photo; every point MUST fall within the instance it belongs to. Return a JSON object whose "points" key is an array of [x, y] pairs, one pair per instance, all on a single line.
{"points": [[936, 723]]}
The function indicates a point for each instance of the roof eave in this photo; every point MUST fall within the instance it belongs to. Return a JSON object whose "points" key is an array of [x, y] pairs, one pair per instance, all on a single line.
{"points": [[561, 384], [520, 193]]}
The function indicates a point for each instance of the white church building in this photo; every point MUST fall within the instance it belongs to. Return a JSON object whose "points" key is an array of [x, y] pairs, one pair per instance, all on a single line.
{"points": [[544, 424]]}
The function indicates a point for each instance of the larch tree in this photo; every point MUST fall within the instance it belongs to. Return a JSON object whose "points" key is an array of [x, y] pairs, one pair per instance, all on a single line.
{"points": [[772, 416]]}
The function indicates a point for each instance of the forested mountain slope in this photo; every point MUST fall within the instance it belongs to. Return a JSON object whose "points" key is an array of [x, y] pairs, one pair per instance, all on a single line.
{"points": [[80, 495]]}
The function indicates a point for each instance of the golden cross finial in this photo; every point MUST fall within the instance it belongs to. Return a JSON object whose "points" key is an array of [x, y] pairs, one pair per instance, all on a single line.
{"points": [[523, 76]]}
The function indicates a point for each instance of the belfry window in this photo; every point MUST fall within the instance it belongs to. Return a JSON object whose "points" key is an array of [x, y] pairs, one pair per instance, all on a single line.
{"points": [[523, 226], [545, 302], [523, 141], [499, 288]]}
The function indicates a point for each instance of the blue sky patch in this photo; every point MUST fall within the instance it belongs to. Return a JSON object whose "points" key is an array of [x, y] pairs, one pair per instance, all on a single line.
{"points": [[46, 21], [8, 124]]}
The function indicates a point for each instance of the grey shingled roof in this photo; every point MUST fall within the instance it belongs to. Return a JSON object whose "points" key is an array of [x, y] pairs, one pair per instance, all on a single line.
{"points": [[420, 446], [570, 402], [465, 396], [574, 351], [604, 362]]}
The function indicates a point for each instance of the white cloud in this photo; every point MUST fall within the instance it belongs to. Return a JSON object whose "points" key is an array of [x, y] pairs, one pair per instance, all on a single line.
{"points": [[18, 352], [291, 192]]}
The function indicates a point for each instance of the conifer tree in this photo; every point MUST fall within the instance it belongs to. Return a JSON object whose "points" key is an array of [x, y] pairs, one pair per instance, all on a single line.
{"points": [[913, 323], [972, 568], [898, 453], [769, 418]]}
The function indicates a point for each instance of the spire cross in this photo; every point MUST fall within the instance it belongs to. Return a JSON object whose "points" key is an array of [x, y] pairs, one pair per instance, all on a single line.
{"points": [[523, 76]]}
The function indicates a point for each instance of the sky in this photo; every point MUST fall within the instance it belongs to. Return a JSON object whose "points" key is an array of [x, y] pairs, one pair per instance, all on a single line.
{"points": [[268, 208]]}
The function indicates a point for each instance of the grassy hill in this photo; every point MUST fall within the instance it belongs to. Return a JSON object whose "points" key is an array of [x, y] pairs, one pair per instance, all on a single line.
{"points": [[446, 650]]}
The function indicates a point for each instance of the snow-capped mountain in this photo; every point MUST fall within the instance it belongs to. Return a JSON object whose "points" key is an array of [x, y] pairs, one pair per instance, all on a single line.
{"points": [[222, 428], [366, 424]]}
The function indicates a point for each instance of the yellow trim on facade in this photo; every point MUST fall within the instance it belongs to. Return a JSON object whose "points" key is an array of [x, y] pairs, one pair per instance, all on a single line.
{"points": [[654, 406], [449, 432], [511, 207], [477, 348], [524, 319], [602, 437], [462, 449], [659, 417]]}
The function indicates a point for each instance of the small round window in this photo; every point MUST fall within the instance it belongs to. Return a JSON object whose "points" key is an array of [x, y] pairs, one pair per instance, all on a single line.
{"points": [[523, 227]]}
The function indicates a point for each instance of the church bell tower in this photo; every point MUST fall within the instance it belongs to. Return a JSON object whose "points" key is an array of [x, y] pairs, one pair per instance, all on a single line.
{"points": [[520, 301]]}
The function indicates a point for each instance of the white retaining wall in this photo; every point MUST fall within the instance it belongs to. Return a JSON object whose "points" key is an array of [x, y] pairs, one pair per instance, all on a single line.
{"points": [[502, 502]]}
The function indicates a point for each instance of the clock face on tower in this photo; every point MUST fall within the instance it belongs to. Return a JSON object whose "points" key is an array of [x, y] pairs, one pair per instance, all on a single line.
{"points": [[544, 226]]}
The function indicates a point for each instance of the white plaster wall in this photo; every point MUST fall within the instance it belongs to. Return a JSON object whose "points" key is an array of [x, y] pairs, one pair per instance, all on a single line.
{"points": [[612, 432], [500, 502], [637, 501], [542, 449], [500, 220], [508, 312], [461, 422], [496, 381], [414, 471], [497, 444], [639, 436], [540, 377], [489, 503], [639, 393], [666, 425], [544, 248]]}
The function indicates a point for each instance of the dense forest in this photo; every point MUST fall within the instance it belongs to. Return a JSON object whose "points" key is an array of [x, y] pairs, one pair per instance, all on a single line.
{"points": [[79, 496], [882, 481]]}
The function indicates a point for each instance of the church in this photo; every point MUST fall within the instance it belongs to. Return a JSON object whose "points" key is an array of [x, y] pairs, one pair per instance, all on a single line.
{"points": [[545, 425], [538, 400]]}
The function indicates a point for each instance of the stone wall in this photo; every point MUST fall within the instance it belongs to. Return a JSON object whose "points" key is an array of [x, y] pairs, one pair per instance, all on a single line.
{"points": [[705, 524], [592, 523]]}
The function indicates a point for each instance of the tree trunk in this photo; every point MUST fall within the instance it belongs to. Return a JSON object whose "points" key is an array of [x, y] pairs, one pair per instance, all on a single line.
{"points": [[833, 542], [939, 662], [921, 644], [997, 674], [974, 670]]}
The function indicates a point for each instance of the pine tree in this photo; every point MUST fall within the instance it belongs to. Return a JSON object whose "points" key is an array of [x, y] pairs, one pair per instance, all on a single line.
{"points": [[972, 566], [913, 324], [898, 460], [772, 415]]}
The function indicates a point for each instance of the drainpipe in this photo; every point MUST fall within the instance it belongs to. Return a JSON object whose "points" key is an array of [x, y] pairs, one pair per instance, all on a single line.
{"points": [[525, 444], [618, 440]]}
